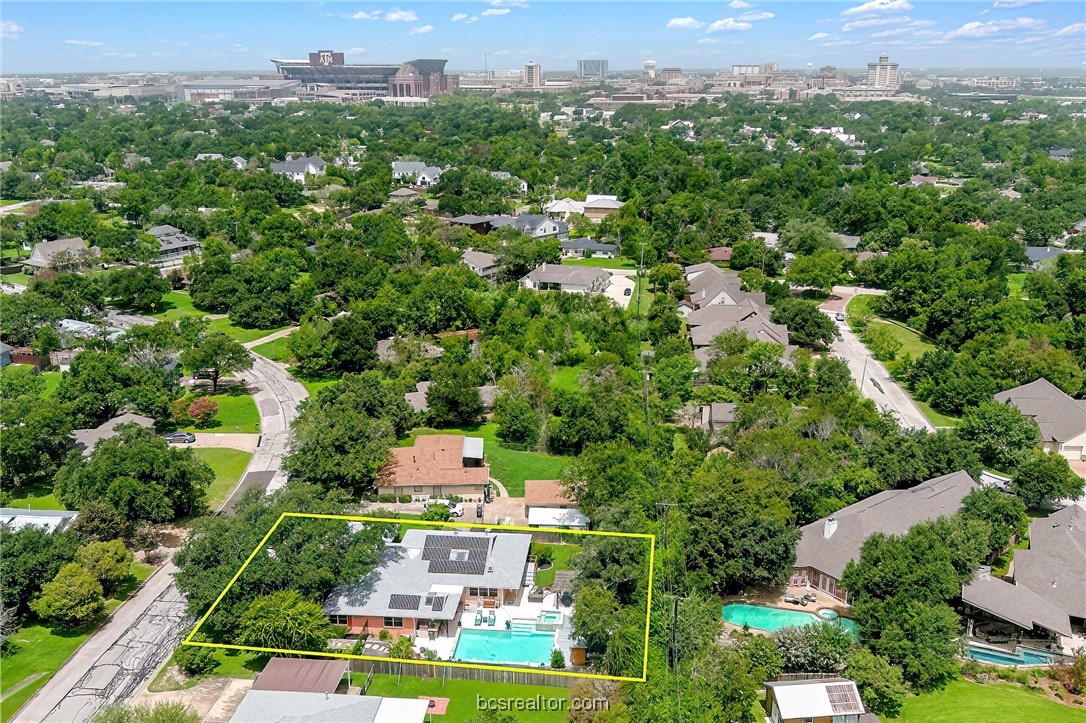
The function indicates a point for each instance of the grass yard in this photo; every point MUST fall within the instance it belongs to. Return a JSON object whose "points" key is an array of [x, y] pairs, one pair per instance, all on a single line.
{"points": [[509, 466], [232, 664], [52, 381], [937, 419], [237, 414], [601, 263], [276, 350], [37, 497], [965, 702], [228, 466], [646, 298], [462, 695], [19, 279], [1014, 284], [41, 650], [567, 377], [313, 384], [178, 304], [7, 202], [562, 553]]}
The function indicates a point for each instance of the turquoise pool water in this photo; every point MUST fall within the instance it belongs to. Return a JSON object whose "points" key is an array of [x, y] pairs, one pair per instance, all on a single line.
{"points": [[773, 619], [1002, 657], [504, 646]]}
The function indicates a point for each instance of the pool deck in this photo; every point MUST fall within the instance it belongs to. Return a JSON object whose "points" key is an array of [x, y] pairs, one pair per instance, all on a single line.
{"points": [[775, 599]]}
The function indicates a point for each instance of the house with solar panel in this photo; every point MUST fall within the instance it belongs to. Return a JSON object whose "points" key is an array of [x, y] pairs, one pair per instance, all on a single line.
{"points": [[424, 583], [831, 700]]}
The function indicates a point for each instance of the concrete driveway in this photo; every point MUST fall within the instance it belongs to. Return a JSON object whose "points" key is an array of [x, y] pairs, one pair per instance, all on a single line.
{"points": [[244, 442], [616, 290]]}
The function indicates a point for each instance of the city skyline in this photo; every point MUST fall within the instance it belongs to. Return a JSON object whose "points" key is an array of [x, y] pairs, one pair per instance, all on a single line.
{"points": [[193, 37]]}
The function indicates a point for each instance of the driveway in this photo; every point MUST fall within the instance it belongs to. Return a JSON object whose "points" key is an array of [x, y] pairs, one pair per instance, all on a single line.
{"points": [[874, 381], [244, 442], [616, 290]]}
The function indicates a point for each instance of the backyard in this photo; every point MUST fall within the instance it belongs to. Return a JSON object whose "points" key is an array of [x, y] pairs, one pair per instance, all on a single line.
{"points": [[601, 263], [228, 466], [40, 650], [464, 694], [962, 701], [560, 561], [509, 466]]}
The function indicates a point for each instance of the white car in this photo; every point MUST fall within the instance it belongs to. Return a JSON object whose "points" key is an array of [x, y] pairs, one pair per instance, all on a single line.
{"points": [[455, 508]]}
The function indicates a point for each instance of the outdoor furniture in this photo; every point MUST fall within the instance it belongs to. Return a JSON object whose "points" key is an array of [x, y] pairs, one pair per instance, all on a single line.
{"points": [[478, 617], [493, 619]]}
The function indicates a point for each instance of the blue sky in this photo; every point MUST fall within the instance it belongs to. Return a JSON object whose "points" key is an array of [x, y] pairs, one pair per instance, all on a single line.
{"points": [[56, 37]]}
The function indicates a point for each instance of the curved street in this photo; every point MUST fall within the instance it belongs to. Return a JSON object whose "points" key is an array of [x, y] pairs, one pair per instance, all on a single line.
{"points": [[121, 657]]}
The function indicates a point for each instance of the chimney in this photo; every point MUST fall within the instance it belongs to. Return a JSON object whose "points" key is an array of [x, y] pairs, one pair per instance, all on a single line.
{"points": [[831, 527]]}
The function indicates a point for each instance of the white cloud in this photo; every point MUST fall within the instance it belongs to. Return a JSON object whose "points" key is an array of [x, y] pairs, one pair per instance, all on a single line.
{"points": [[459, 16], [838, 43], [507, 3], [875, 22], [819, 36], [472, 19], [739, 5], [10, 30], [687, 23], [1007, 4], [421, 30], [1076, 29], [753, 16], [362, 15], [708, 41], [402, 16], [355, 51], [240, 48], [977, 29], [496, 11], [879, 6], [726, 24], [86, 43]]}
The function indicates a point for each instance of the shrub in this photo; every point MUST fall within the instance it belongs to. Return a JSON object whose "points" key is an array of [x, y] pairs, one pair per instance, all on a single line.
{"points": [[402, 498], [438, 512], [179, 412], [558, 661], [543, 553], [386, 498], [195, 661], [203, 410], [1072, 675], [72, 598], [385, 636]]}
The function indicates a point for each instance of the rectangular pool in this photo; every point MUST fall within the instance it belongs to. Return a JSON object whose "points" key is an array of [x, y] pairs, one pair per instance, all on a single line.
{"points": [[504, 646], [773, 619], [1024, 656]]}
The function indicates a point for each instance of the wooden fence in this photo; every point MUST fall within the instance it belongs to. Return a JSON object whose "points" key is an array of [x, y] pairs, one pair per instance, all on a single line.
{"points": [[428, 671]]}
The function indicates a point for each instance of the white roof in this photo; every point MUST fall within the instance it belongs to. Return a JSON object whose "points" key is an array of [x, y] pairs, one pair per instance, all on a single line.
{"points": [[273, 706], [554, 517], [811, 699], [48, 520]]}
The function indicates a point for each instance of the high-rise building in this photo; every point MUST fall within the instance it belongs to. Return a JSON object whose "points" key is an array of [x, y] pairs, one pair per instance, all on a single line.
{"points": [[883, 74], [533, 75], [415, 78], [669, 74], [650, 68], [595, 69]]}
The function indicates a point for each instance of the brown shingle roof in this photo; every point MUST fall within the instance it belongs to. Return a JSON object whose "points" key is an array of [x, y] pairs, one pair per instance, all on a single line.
{"points": [[545, 493], [436, 459], [301, 676]]}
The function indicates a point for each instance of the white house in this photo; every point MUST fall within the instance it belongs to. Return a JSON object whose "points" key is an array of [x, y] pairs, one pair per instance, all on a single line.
{"points": [[571, 279], [1061, 419], [521, 184], [423, 175], [298, 168]]}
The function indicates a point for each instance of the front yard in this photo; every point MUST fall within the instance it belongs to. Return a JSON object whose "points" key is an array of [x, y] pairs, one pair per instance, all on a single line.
{"points": [[228, 466], [237, 413], [178, 304]]}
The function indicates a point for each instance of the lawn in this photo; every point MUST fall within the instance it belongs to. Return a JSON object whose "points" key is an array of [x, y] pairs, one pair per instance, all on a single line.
{"points": [[19, 279], [237, 414], [937, 419], [509, 466], [1014, 284], [601, 263], [178, 304], [52, 381], [228, 466], [7, 202], [562, 553], [37, 497], [41, 650], [965, 702], [313, 384], [463, 694], [646, 298], [568, 378], [276, 350], [232, 664]]}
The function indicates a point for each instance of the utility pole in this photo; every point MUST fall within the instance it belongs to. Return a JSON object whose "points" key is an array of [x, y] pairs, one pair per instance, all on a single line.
{"points": [[863, 376]]}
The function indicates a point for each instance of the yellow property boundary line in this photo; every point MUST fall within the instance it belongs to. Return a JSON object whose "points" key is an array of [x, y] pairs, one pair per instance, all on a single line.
{"points": [[470, 525]]}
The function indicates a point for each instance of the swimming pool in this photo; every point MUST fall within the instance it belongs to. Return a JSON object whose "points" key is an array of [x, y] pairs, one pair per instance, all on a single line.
{"points": [[504, 646], [773, 619], [1024, 656]]}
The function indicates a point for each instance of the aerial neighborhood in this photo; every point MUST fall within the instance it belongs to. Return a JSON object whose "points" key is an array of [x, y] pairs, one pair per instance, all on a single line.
{"points": [[386, 392]]}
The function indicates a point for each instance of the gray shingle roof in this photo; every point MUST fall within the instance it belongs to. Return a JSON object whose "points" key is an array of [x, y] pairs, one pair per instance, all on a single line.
{"points": [[1053, 565], [299, 165], [1015, 604], [559, 274], [828, 548], [587, 244], [1059, 417], [274, 706], [44, 253], [1043, 253]]}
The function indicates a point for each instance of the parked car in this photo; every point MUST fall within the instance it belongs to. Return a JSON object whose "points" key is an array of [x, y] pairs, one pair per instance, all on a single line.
{"points": [[203, 374], [627, 292], [455, 508], [840, 316], [180, 437]]}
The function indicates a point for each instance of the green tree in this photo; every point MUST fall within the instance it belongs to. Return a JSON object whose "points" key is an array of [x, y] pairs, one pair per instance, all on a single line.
{"points": [[822, 647], [73, 598], [402, 649], [140, 288], [1004, 514], [453, 401], [1045, 478], [807, 326], [218, 354], [594, 616], [438, 512], [880, 682], [285, 620], [110, 562], [29, 557], [1000, 434], [820, 270]]}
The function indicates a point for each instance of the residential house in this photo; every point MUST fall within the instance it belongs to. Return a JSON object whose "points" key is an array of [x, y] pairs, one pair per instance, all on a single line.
{"points": [[720, 254], [1053, 566], [173, 245], [239, 163], [1062, 154], [580, 248], [85, 439], [481, 225], [419, 399], [1010, 193], [209, 156], [535, 225], [415, 173], [438, 465], [481, 263], [715, 302], [1061, 419], [828, 700], [546, 505], [74, 333], [270, 706], [424, 582], [396, 349], [571, 279], [595, 207], [65, 254], [827, 545], [848, 243], [1038, 255], [522, 185], [48, 520], [987, 599], [298, 169], [717, 416], [403, 194]]}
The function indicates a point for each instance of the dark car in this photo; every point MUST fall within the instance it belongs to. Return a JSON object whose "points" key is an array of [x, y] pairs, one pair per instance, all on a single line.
{"points": [[627, 292], [180, 437]]}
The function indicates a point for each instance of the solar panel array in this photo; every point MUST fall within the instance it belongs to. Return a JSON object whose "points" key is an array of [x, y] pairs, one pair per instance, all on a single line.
{"points": [[843, 699], [438, 549], [404, 602], [439, 604]]}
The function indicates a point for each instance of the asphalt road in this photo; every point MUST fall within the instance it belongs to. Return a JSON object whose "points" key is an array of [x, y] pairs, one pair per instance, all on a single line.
{"points": [[120, 658]]}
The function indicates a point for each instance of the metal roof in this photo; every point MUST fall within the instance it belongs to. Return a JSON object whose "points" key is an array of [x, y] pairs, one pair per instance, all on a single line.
{"points": [[301, 675]]}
